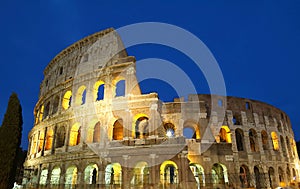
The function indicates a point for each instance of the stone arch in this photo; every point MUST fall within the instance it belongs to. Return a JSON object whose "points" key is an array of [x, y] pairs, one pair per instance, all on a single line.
{"points": [[281, 177], [169, 129], [288, 145], [239, 137], [272, 179], [55, 104], [275, 141], [91, 174], [198, 173], [191, 129], [118, 130], [225, 134], [259, 176], [120, 87], [43, 176], [283, 146], [264, 140], [81, 95], [60, 136], [113, 174], [67, 100], [141, 126], [140, 174], [41, 113], [74, 135], [34, 143], [49, 139], [169, 172], [219, 174], [55, 175], [98, 91], [71, 175], [41, 140], [245, 178], [46, 110], [253, 140]]}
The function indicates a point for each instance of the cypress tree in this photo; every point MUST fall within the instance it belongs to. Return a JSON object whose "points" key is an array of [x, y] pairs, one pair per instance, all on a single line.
{"points": [[10, 140]]}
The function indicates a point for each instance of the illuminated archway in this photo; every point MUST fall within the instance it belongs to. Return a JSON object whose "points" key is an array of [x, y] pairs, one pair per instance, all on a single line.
{"points": [[75, 135], [80, 95], [275, 141], [140, 174], [140, 126], [71, 175], [219, 174], [43, 177], [66, 102], [55, 176], [91, 174], [118, 130], [169, 130], [169, 172], [41, 141], [113, 174], [198, 173], [225, 134], [49, 139]]}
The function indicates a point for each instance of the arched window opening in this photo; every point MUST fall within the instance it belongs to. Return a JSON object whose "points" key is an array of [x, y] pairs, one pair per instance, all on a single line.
{"points": [[281, 177], [34, 144], [258, 178], [253, 140], [294, 175], [198, 173], [75, 135], [49, 139], [55, 105], [60, 137], [141, 127], [283, 147], [294, 148], [191, 130], [272, 178], [279, 127], [288, 175], [239, 137], [264, 140], [41, 114], [113, 174], [46, 111], [81, 95], [275, 141], [41, 141], [169, 130], [91, 174], [118, 130], [245, 177], [169, 172], [99, 91], [224, 134], [66, 102], [55, 176], [219, 174], [288, 145], [71, 176], [43, 177], [120, 88], [236, 120], [140, 174], [96, 134]]}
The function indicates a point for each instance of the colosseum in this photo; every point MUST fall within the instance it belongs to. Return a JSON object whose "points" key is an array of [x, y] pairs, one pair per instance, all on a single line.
{"points": [[95, 129]]}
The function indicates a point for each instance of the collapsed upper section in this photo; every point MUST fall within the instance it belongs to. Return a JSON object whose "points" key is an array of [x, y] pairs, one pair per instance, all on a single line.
{"points": [[91, 53]]}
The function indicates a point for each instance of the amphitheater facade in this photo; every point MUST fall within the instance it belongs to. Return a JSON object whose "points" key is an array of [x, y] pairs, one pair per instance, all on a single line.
{"points": [[95, 129]]}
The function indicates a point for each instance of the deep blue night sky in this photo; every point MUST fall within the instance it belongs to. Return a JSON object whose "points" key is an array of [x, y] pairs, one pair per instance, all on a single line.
{"points": [[256, 44]]}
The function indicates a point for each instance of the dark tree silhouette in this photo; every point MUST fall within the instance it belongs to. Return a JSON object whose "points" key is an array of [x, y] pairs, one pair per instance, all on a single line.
{"points": [[298, 147], [10, 140]]}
